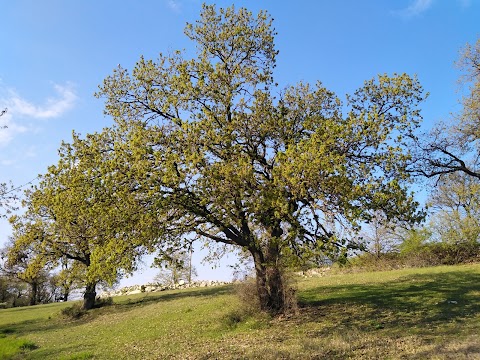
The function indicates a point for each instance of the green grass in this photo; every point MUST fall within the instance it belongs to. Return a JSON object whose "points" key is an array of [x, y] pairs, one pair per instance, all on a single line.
{"points": [[11, 347], [430, 313]]}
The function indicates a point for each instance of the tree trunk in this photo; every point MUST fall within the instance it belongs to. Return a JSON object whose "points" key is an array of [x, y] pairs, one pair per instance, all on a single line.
{"points": [[34, 294], [89, 296], [65, 295], [270, 284]]}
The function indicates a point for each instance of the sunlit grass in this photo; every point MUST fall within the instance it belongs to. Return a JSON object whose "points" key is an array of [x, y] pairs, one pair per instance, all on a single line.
{"points": [[11, 347], [415, 313]]}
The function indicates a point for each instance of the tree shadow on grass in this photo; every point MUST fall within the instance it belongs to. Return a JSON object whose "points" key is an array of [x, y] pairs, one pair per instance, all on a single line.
{"points": [[419, 302]]}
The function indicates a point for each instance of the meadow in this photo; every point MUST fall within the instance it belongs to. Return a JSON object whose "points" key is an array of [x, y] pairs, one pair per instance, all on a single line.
{"points": [[427, 313]]}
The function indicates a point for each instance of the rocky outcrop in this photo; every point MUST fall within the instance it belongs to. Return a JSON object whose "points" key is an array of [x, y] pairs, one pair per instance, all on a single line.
{"points": [[148, 288]]}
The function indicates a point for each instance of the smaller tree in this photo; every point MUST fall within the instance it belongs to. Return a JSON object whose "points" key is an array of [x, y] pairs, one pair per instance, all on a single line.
{"points": [[70, 277], [13, 292], [456, 200], [176, 267], [380, 235], [414, 240], [74, 213], [24, 262]]}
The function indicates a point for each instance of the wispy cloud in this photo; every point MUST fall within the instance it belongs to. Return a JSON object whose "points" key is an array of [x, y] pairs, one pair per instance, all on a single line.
{"points": [[174, 5], [416, 8], [20, 108], [464, 4], [52, 108]]}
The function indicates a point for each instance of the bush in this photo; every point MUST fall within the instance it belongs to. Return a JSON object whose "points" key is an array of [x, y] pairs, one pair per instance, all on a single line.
{"points": [[451, 254], [246, 292], [74, 312], [386, 261], [248, 295], [102, 302], [419, 255]]}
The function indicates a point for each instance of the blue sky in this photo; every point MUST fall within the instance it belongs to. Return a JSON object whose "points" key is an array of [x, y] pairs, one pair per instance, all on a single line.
{"points": [[55, 53]]}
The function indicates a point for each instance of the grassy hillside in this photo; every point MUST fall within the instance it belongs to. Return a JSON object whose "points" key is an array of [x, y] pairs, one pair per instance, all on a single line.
{"points": [[431, 313]]}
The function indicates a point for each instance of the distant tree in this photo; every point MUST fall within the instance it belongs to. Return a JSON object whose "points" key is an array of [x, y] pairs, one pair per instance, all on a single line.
{"points": [[176, 267], [13, 292], [456, 202], [413, 240], [70, 277], [24, 263], [218, 156], [380, 236]]}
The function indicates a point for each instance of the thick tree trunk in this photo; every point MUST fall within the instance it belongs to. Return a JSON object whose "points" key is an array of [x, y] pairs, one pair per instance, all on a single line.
{"points": [[89, 296], [270, 284]]}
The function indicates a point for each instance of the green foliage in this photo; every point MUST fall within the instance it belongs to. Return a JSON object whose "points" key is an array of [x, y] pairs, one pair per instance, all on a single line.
{"points": [[450, 253], [414, 240], [456, 202], [74, 218], [207, 147]]}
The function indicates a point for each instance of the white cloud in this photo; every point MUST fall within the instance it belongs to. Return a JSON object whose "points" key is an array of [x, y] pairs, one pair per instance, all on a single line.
{"points": [[174, 5], [54, 107], [416, 8], [19, 108]]}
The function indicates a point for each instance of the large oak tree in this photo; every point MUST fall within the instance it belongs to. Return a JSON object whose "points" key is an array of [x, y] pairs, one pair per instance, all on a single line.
{"points": [[223, 155]]}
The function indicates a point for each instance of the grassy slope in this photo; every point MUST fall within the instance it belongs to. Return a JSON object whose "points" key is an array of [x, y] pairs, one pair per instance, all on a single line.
{"points": [[414, 313]]}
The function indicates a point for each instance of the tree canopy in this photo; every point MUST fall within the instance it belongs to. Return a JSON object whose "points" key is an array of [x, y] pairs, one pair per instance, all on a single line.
{"points": [[73, 215], [456, 200], [219, 152]]}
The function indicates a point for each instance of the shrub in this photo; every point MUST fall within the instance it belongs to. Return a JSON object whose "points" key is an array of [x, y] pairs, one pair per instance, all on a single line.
{"points": [[74, 312], [102, 302], [247, 292], [418, 254]]}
